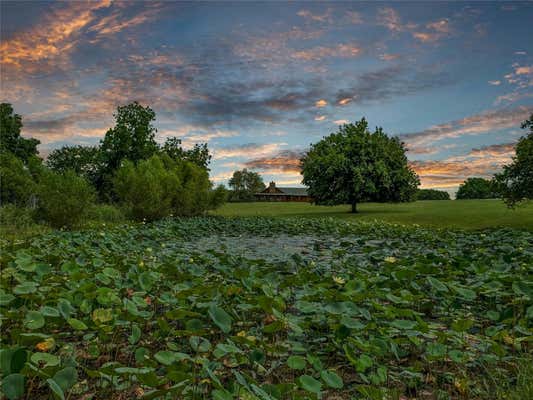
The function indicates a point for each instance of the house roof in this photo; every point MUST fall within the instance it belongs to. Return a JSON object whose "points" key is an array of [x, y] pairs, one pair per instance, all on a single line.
{"points": [[288, 191]]}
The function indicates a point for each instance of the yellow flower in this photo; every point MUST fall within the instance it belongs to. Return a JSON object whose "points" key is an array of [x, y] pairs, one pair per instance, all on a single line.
{"points": [[339, 280], [391, 260], [241, 334], [46, 344]]}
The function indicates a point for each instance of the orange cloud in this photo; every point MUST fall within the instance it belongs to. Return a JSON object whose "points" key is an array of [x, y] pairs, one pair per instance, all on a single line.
{"points": [[320, 118], [343, 102], [321, 103], [54, 37], [321, 52]]}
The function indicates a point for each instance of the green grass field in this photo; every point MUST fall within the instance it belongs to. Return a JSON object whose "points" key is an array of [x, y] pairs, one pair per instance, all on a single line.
{"points": [[466, 214]]}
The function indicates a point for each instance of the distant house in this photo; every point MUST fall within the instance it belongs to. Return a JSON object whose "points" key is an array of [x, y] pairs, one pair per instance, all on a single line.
{"points": [[274, 193]]}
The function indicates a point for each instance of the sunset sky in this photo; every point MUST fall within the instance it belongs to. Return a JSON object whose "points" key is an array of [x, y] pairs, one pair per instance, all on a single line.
{"points": [[261, 81]]}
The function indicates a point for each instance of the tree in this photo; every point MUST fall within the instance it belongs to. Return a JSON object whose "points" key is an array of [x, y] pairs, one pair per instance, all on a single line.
{"points": [[162, 186], [476, 188], [64, 199], [515, 182], [85, 161], [354, 165], [244, 184], [16, 182], [198, 155], [432, 194], [10, 139], [132, 138]]}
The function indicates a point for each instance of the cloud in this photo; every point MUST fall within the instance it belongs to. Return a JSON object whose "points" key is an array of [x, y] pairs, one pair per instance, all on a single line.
{"points": [[481, 162], [283, 161], [341, 122], [389, 57], [248, 150], [320, 118], [394, 80], [54, 37], [488, 121], [321, 103], [390, 18], [495, 83], [310, 17], [353, 17], [341, 50]]}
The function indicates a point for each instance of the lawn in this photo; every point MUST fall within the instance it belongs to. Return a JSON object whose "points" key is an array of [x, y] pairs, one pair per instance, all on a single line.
{"points": [[467, 214]]}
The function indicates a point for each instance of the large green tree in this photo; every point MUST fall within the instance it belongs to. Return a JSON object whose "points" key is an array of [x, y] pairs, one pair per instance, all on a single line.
{"points": [[85, 161], [476, 188], [432, 194], [355, 165], [132, 138], [515, 183], [244, 184], [10, 139], [198, 155]]}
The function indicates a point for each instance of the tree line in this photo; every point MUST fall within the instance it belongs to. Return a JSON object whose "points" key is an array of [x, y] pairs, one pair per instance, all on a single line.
{"points": [[127, 170]]}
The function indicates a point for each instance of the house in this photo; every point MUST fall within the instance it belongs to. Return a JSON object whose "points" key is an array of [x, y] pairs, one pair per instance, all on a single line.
{"points": [[274, 193]]}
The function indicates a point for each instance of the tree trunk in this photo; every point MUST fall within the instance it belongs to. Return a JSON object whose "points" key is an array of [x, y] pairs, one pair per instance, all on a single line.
{"points": [[354, 207]]}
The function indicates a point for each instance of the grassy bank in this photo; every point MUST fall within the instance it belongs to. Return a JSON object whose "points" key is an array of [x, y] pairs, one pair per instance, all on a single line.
{"points": [[467, 214]]}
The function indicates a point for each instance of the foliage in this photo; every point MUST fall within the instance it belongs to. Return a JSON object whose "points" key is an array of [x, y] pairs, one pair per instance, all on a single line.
{"points": [[432, 194], [355, 165], [263, 308], [198, 155], [160, 186], [515, 183], [244, 184], [105, 213], [476, 188], [64, 199], [16, 182], [85, 161], [10, 139], [132, 138]]}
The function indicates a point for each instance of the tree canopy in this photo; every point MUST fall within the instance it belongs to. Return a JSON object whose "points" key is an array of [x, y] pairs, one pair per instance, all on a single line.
{"points": [[515, 183], [476, 188], [244, 184], [432, 194], [85, 161], [355, 165], [10, 139]]}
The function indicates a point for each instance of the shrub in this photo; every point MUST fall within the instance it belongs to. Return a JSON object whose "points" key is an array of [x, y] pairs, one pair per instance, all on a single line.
{"points": [[105, 213], [160, 186], [64, 199], [432, 194], [476, 188], [16, 183]]}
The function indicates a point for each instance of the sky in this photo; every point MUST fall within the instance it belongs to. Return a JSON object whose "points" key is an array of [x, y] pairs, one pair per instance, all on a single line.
{"points": [[260, 81]]}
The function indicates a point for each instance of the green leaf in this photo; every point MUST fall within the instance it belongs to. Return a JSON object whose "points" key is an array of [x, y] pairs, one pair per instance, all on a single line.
{"points": [[34, 320], [48, 311], [296, 362], [66, 378], [169, 357], [403, 324], [45, 359], [25, 288], [310, 384], [332, 379], [13, 386], [437, 285], [135, 334], [77, 324], [352, 323], [56, 389], [221, 318], [363, 363]]}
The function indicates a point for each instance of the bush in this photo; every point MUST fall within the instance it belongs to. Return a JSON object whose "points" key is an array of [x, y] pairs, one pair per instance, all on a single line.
{"points": [[160, 187], [64, 199], [105, 213], [432, 194], [16, 183], [17, 223], [476, 188]]}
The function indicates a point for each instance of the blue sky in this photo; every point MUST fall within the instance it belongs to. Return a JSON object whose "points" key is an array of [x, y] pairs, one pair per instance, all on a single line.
{"points": [[261, 81]]}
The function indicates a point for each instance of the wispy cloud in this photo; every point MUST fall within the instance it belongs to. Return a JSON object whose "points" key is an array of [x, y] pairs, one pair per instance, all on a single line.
{"points": [[285, 161], [488, 121], [248, 150]]}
